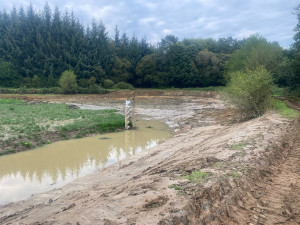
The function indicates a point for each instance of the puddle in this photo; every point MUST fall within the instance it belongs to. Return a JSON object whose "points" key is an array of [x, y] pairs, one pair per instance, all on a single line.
{"points": [[52, 166]]}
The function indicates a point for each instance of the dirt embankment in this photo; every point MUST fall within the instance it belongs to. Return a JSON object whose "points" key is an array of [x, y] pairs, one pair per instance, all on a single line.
{"points": [[269, 193], [253, 172]]}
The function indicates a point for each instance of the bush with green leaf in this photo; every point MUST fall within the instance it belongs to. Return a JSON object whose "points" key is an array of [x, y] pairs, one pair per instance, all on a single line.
{"points": [[250, 91], [123, 85], [68, 82], [95, 89], [107, 83]]}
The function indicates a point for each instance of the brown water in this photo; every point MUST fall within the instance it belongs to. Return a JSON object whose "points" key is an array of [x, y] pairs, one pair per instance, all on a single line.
{"points": [[51, 166]]}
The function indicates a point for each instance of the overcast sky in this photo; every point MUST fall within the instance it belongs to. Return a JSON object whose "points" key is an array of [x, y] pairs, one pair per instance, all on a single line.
{"points": [[154, 19]]}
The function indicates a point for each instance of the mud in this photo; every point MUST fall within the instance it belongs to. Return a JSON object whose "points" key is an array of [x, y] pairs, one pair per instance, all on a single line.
{"points": [[270, 194], [254, 169]]}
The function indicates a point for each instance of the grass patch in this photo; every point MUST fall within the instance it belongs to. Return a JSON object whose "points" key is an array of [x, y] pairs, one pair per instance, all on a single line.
{"points": [[174, 186], [283, 110], [219, 165], [239, 146], [25, 126], [235, 174], [10, 151], [197, 176], [10, 101]]}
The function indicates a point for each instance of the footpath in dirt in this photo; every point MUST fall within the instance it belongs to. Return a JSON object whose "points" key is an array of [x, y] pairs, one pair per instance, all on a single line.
{"points": [[249, 173]]}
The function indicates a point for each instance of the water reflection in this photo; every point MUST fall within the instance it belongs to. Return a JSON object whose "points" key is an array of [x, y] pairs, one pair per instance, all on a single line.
{"points": [[51, 166]]}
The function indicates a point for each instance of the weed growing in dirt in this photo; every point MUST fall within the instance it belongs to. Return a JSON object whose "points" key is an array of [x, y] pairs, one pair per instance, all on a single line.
{"points": [[235, 174], [27, 144], [243, 168], [239, 146], [260, 135], [241, 154], [181, 193], [31, 125], [197, 176], [219, 165], [283, 110], [226, 176], [174, 186]]}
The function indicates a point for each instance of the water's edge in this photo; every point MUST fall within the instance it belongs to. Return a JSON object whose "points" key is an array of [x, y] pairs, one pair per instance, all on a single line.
{"points": [[52, 166]]}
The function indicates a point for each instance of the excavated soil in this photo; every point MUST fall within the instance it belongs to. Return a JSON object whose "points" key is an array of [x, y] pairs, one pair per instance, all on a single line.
{"points": [[253, 167], [271, 193]]}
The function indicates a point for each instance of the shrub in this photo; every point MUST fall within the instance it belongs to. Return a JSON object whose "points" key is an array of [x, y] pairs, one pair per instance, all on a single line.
{"points": [[22, 90], [81, 90], [250, 91], [84, 83], [92, 81], [95, 89], [51, 90], [68, 82], [123, 85], [108, 83], [36, 81]]}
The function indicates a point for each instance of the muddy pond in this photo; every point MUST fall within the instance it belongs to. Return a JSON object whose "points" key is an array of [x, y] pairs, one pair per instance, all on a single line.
{"points": [[54, 165]]}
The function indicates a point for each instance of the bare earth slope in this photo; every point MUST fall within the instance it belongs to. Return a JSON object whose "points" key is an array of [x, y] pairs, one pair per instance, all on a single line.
{"points": [[274, 197], [253, 168]]}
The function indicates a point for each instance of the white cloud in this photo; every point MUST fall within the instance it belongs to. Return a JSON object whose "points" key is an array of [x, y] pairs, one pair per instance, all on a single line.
{"points": [[151, 21], [146, 21], [207, 2], [167, 31], [212, 25], [99, 12], [201, 20], [185, 18], [150, 5], [244, 33]]}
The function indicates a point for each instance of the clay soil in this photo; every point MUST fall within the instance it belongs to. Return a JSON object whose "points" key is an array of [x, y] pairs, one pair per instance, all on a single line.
{"points": [[252, 168]]}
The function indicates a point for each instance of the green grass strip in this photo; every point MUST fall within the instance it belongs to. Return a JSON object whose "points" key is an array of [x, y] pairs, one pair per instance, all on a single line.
{"points": [[24, 125], [283, 110]]}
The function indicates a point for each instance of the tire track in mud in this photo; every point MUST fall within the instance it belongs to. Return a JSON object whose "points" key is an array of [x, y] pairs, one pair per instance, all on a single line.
{"points": [[273, 198], [282, 195]]}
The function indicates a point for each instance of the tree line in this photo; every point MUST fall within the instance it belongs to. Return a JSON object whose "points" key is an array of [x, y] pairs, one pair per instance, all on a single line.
{"points": [[36, 48]]}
